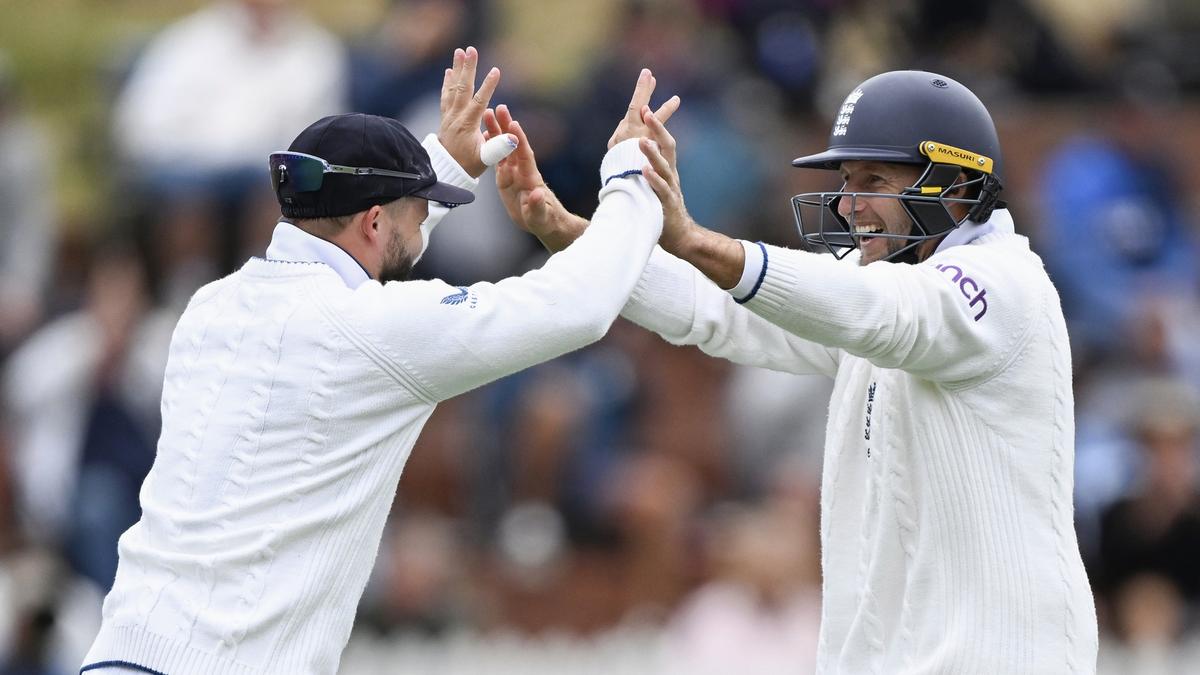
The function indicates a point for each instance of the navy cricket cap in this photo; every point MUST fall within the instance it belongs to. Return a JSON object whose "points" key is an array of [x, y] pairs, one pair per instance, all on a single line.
{"points": [[363, 141]]}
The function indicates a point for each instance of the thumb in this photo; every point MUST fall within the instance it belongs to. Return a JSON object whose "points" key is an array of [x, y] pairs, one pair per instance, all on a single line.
{"points": [[537, 203]]}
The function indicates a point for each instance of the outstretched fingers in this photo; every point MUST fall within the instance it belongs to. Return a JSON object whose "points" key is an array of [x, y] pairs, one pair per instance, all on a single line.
{"points": [[659, 163], [466, 74], [447, 90], [659, 133], [522, 157], [504, 116], [484, 95], [667, 109], [491, 125], [455, 85], [641, 92]]}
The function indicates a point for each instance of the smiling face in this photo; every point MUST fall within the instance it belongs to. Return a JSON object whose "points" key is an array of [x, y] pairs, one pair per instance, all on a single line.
{"points": [[877, 214]]}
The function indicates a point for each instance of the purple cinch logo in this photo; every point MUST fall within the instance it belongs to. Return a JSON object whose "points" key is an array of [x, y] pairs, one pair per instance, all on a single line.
{"points": [[974, 293]]}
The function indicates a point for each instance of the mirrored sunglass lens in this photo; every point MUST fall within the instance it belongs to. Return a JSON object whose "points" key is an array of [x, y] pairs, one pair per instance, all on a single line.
{"points": [[296, 172]]}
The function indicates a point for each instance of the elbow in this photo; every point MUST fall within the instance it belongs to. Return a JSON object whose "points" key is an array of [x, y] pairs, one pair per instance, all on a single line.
{"points": [[596, 327], [588, 327]]}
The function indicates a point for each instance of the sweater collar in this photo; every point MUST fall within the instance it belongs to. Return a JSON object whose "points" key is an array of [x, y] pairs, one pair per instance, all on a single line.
{"points": [[969, 231], [292, 244]]}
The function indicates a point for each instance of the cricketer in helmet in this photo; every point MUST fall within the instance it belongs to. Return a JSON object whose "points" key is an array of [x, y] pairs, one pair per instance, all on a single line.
{"points": [[947, 531], [919, 156]]}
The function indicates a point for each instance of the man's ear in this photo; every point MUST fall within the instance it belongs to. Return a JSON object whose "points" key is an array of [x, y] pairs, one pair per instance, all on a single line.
{"points": [[368, 223]]}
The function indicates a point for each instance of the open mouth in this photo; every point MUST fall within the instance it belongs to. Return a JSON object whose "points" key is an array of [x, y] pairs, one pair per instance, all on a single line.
{"points": [[865, 233]]}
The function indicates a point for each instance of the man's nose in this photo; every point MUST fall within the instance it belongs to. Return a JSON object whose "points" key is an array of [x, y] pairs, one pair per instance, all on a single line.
{"points": [[848, 204]]}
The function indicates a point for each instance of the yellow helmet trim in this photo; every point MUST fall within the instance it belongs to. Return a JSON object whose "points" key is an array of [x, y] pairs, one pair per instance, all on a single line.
{"points": [[948, 154]]}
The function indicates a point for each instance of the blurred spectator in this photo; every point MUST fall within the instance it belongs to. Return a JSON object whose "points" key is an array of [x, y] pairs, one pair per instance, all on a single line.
{"points": [[554, 434], [760, 610], [775, 417], [1150, 541], [26, 215], [782, 38], [216, 92], [419, 583], [1116, 230], [48, 616], [181, 242], [403, 57], [997, 47], [219, 90], [654, 500], [698, 61], [84, 393], [570, 499]]}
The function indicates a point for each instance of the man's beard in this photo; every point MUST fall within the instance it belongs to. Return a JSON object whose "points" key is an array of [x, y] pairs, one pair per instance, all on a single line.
{"points": [[892, 246], [397, 263]]}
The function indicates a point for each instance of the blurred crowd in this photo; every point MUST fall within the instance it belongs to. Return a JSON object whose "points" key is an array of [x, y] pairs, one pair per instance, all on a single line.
{"points": [[634, 488]]}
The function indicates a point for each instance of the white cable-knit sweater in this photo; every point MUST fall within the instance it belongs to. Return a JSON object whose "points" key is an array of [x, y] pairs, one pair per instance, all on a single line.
{"points": [[947, 531], [292, 399]]}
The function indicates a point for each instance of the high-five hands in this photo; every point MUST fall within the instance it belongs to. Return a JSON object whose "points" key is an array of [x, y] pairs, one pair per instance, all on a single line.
{"points": [[529, 201], [632, 125], [662, 174], [525, 195], [463, 108]]}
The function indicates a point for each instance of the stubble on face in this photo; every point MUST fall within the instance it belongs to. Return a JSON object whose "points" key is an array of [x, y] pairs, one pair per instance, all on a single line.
{"points": [[397, 262], [885, 215], [404, 217]]}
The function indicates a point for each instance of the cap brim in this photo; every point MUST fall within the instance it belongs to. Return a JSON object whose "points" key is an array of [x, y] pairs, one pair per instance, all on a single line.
{"points": [[833, 157], [446, 194]]}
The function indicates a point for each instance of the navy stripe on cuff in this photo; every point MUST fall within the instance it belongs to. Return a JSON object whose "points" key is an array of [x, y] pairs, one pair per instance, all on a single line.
{"points": [[623, 175], [120, 664], [762, 274]]}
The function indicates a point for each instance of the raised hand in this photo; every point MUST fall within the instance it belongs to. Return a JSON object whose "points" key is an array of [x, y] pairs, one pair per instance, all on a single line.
{"points": [[632, 125], [463, 108], [526, 197], [663, 175]]}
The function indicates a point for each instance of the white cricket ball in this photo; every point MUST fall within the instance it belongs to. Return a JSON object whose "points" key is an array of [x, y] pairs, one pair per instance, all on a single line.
{"points": [[497, 149]]}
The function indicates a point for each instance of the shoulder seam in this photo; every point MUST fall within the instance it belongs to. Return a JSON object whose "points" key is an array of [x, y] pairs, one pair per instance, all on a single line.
{"points": [[398, 371]]}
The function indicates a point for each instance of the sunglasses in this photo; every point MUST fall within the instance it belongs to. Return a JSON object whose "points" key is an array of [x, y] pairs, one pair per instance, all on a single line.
{"points": [[306, 173]]}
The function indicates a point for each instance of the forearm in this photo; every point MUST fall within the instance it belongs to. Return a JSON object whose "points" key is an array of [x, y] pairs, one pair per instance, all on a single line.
{"points": [[717, 256], [674, 300], [448, 170], [568, 228], [492, 329]]}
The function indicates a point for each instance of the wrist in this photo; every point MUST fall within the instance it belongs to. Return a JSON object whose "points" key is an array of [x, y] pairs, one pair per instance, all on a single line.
{"points": [[683, 242], [565, 228], [717, 256], [447, 165]]}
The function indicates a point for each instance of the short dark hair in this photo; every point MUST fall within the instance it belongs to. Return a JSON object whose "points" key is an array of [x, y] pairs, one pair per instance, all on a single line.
{"points": [[333, 225], [321, 226]]}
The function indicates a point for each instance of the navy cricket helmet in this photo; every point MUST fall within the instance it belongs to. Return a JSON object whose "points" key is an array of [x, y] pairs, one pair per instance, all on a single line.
{"points": [[908, 117]]}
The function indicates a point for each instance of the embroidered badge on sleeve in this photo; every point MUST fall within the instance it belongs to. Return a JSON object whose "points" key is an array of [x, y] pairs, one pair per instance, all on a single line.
{"points": [[463, 295]]}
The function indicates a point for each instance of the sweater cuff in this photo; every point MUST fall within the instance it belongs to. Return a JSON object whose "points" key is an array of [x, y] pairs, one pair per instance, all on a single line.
{"points": [[446, 167], [664, 298], [623, 160], [783, 272], [752, 272]]}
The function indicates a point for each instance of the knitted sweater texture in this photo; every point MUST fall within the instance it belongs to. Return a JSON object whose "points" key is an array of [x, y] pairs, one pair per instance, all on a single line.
{"points": [[947, 531], [291, 402]]}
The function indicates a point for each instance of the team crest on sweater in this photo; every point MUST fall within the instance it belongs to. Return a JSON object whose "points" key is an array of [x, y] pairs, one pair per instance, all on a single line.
{"points": [[463, 295]]}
